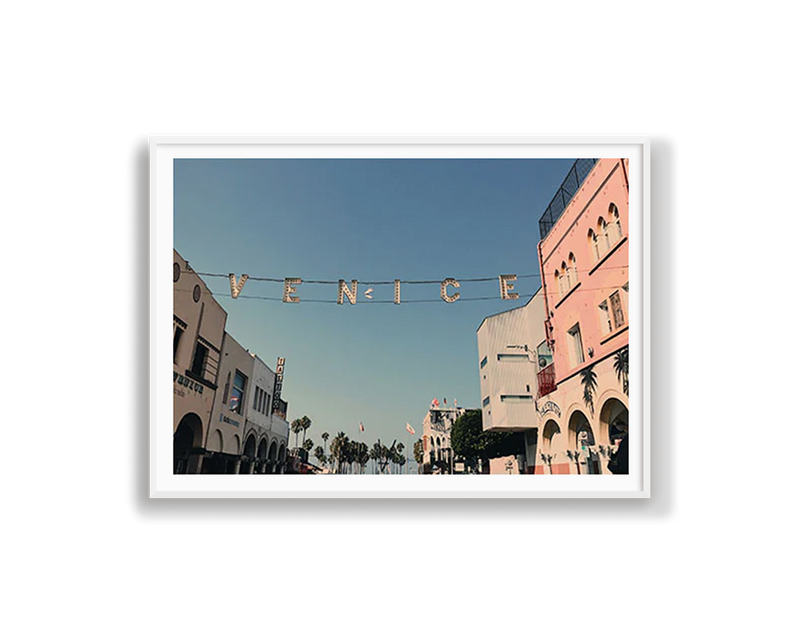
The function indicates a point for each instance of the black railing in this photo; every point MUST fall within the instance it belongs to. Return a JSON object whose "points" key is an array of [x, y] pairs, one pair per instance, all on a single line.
{"points": [[575, 177]]}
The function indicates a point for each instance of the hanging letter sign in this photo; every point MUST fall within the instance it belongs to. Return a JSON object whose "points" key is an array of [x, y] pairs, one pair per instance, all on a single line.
{"points": [[290, 285], [506, 288], [288, 289], [236, 288], [344, 291], [450, 282]]}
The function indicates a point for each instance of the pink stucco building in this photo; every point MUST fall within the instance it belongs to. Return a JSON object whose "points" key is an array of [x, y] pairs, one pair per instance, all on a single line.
{"points": [[583, 256]]}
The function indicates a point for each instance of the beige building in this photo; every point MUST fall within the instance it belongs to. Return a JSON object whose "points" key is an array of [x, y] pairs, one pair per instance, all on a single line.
{"points": [[227, 427], [198, 328]]}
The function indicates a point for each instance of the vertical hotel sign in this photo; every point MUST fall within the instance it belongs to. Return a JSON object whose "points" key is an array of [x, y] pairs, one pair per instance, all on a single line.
{"points": [[276, 396]]}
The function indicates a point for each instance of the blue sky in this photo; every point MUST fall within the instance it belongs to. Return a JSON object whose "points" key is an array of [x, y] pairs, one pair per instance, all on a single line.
{"points": [[380, 364]]}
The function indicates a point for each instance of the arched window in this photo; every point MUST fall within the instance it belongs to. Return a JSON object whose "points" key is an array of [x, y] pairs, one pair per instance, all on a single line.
{"points": [[559, 282], [565, 278], [573, 270], [614, 227], [594, 244], [602, 236]]}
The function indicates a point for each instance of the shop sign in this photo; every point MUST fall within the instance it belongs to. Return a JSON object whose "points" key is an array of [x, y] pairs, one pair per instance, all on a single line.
{"points": [[226, 419], [276, 396], [550, 406], [182, 381]]}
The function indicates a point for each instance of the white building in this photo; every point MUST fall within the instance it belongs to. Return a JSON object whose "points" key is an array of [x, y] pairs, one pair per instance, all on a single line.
{"points": [[436, 426], [266, 433], [512, 350]]}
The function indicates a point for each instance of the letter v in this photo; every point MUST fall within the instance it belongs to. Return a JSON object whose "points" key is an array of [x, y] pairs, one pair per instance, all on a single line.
{"points": [[236, 289]]}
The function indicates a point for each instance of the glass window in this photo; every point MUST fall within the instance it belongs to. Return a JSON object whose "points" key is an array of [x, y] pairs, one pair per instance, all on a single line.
{"points": [[516, 399], [576, 345], [484, 361], [175, 340], [544, 357], [199, 361], [516, 357], [616, 309], [237, 394], [486, 401], [605, 317]]}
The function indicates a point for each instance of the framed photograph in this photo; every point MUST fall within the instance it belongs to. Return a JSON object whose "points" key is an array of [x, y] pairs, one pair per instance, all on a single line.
{"points": [[400, 317]]}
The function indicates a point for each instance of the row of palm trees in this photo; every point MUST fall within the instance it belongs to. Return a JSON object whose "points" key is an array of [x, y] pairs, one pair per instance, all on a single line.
{"points": [[350, 456]]}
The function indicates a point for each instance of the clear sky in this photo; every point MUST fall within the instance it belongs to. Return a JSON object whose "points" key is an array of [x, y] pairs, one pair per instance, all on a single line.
{"points": [[380, 364]]}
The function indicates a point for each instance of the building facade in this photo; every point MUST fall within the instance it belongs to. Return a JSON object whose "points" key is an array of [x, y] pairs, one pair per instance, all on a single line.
{"points": [[225, 441], [510, 346], [228, 416], [583, 258], [437, 451], [197, 335], [266, 434], [556, 368]]}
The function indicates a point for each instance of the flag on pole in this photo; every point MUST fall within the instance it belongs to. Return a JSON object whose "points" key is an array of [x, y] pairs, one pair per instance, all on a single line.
{"points": [[445, 402], [361, 426], [410, 429], [435, 402], [455, 403]]}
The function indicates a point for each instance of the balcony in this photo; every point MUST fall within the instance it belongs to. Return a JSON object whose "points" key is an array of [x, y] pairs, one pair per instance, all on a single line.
{"points": [[546, 379]]}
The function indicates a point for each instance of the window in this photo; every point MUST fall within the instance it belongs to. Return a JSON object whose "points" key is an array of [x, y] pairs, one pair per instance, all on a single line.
{"points": [[576, 345], [484, 361], [515, 357], [544, 357], [602, 236], [595, 245], [516, 399], [605, 318], [616, 309], [176, 338], [237, 394], [614, 228], [486, 401], [613, 311], [199, 361], [572, 271], [257, 399]]}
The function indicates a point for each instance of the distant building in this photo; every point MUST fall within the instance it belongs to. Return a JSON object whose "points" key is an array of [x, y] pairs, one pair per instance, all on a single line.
{"points": [[436, 447]]}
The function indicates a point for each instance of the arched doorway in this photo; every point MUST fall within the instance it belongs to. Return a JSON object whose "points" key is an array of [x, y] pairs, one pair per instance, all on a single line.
{"points": [[186, 444], [272, 459], [249, 455], [614, 426], [550, 444], [281, 458], [614, 420], [581, 442], [261, 456]]}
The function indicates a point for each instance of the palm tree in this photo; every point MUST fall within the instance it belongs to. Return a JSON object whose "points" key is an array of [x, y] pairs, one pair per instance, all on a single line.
{"points": [[418, 452], [621, 368], [297, 427], [589, 380], [362, 456], [325, 437], [339, 449], [308, 444], [319, 454], [306, 422]]}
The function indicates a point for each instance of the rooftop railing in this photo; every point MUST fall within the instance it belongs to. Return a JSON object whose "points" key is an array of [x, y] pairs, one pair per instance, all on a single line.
{"points": [[569, 187]]}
